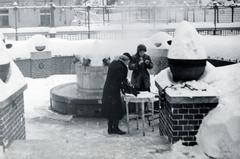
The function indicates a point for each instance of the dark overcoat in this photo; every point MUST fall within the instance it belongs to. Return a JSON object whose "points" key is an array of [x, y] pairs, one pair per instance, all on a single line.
{"points": [[112, 104], [140, 75]]}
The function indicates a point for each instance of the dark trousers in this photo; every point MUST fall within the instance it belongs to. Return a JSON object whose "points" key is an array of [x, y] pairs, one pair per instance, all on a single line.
{"points": [[112, 123]]}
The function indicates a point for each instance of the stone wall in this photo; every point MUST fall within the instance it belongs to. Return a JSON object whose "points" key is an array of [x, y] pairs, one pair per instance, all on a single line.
{"points": [[41, 68], [12, 122]]}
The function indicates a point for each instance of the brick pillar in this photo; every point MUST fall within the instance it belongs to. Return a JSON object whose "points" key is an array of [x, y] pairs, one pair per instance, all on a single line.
{"points": [[12, 122], [181, 116]]}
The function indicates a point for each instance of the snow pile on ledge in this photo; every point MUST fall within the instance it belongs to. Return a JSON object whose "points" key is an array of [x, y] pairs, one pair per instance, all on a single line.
{"points": [[201, 88], [158, 41], [219, 133], [15, 79], [37, 40], [186, 44]]}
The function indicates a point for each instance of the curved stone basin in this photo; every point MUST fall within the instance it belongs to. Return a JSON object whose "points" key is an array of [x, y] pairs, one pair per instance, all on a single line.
{"points": [[66, 99], [83, 98]]}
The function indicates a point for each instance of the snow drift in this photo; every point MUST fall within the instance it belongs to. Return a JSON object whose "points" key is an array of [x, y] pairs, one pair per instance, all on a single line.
{"points": [[219, 133]]}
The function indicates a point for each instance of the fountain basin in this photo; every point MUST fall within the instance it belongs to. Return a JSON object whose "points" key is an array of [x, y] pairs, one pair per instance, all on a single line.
{"points": [[68, 99]]}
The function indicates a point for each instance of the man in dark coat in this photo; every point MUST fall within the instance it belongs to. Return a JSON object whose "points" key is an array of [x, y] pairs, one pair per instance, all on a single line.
{"points": [[116, 81], [140, 64]]}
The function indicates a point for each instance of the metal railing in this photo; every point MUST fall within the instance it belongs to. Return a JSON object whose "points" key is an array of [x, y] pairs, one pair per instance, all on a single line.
{"points": [[118, 34], [123, 15]]}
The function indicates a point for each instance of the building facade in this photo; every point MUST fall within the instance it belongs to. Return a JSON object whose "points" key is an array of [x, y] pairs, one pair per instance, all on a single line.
{"points": [[25, 15]]}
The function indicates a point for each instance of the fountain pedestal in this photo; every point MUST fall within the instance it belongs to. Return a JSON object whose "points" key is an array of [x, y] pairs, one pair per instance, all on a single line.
{"points": [[83, 98]]}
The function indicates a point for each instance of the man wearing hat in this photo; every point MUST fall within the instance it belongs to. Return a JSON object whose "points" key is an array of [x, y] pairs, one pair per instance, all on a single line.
{"points": [[140, 64], [115, 82]]}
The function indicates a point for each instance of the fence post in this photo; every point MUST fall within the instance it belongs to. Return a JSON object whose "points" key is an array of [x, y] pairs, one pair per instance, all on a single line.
{"points": [[122, 11], [232, 7], [88, 16], [154, 13], [215, 7], [103, 10], [204, 12], [193, 14], [15, 18], [52, 9], [108, 10]]}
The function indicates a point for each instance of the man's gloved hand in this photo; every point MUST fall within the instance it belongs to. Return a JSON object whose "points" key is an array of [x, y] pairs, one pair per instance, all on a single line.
{"points": [[147, 62]]}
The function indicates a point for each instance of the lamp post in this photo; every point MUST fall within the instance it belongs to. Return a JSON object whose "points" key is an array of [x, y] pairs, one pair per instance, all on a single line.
{"points": [[15, 4]]}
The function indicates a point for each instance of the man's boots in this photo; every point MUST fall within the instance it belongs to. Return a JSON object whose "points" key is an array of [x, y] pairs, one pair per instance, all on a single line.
{"points": [[116, 129], [110, 127]]}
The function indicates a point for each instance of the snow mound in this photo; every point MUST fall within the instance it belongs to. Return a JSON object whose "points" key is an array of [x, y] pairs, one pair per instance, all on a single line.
{"points": [[37, 40], [219, 133], [158, 40], [186, 44], [4, 59], [14, 83]]}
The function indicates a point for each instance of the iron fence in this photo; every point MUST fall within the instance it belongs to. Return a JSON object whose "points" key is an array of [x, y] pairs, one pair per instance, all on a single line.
{"points": [[86, 16]]}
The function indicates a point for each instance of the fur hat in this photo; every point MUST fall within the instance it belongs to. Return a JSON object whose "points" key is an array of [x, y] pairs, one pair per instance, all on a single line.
{"points": [[128, 55], [141, 47]]}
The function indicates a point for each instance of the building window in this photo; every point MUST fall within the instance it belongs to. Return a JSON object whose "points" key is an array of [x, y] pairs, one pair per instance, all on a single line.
{"points": [[45, 17], [4, 21]]}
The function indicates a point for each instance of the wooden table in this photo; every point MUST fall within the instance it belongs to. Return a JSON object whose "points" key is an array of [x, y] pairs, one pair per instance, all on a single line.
{"points": [[140, 99]]}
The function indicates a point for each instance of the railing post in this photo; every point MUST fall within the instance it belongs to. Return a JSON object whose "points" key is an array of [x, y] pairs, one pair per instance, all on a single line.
{"points": [[193, 14], [215, 7], [122, 11], [154, 13], [232, 7], [204, 12], [16, 20], [108, 17], [186, 8], [88, 13], [103, 14], [52, 9]]}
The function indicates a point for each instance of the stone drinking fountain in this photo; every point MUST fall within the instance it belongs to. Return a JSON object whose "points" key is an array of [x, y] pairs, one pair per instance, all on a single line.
{"points": [[83, 98]]}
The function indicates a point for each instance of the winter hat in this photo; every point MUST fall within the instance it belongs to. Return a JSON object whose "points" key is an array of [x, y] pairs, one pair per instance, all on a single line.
{"points": [[141, 47], [128, 55]]}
